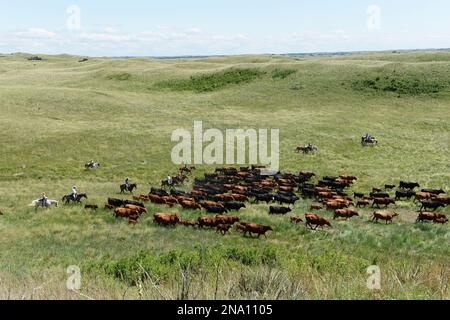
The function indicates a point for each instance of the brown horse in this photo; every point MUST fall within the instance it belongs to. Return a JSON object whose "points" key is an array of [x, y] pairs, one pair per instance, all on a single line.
{"points": [[130, 188]]}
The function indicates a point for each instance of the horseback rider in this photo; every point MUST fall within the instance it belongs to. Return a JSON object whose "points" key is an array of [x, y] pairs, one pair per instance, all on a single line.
{"points": [[169, 180], [127, 183], [44, 199], [74, 193]]}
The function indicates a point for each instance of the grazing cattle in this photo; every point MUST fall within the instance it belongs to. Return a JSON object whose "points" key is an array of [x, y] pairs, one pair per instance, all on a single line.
{"points": [[429, 216], [362, 203], [409, 185], [138, 209], [333, 205], [222, 219], [235, 206], [188, 223], [316, 206], [205, 204], [258, 229], [374, 190], [166, 219], [223, 228], [206, 222], [434, 191], [171, 201], [215, 209], [279, 210], [296, 220], [347, 214], [186, 204], [385, 216], [382, 201], [389, 186], [431, 204], [313, 219], [91, 206], [401, 194]]}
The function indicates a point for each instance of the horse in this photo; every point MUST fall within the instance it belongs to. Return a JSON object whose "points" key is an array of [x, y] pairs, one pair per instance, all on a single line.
{"points": [[38, 203], [77, 200], [92, 165], [130, 188], [180, 179]]}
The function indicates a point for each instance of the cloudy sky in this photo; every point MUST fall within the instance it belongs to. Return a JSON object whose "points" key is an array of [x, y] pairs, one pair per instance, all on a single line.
{"points": [[207, 27]]}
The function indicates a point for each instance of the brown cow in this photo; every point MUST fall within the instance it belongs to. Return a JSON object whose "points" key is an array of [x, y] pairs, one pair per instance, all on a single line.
{"points": [[430, 216], [240, 227], [347, 214], [362, 203], [440, 220], [190, 205], [333, 205], [188, 223], [423, 196], [205, 204], [388, 217], [313, 219], [206, 222], [166, 219], [239, 197], [139, 209], [251, 228], [124, 212], [222, 219]]}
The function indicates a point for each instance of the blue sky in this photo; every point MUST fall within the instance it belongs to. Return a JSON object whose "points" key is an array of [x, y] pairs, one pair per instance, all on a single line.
{"points": [[205, 27]]}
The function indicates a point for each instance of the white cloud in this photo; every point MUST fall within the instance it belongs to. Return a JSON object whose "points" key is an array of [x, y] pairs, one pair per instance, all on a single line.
{"points": [[37, 33]]}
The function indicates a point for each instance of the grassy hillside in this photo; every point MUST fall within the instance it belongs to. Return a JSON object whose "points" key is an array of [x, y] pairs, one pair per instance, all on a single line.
{"points": [[56, 114]]}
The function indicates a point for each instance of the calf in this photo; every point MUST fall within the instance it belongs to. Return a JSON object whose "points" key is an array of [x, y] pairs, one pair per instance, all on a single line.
{"points": [[279, 210], [440, 220], [222, 219], [388, 217], [362, 203], [296, 220], [138, 209]]}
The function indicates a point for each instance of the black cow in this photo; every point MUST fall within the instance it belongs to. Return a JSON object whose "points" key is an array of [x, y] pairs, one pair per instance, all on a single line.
{"points": [[264, 197], [379, 195], [279, 210], [404, 194], [116, 202], [389, 186], [233, 206], [286, 199], [434, 191], [159, 192], [409, 185], [358, 195], [430, 204], [134, 203], [217, 210]]}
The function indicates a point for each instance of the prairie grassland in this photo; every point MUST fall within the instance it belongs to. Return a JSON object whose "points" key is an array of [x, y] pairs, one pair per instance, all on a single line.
{"points": [[56, 114]]}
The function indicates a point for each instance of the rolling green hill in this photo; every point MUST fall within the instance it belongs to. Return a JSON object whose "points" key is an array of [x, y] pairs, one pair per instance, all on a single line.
{"points": [[57, 114]]}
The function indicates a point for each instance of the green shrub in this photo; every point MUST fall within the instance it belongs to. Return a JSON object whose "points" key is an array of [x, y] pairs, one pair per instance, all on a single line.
{"points": [[282, 73]]}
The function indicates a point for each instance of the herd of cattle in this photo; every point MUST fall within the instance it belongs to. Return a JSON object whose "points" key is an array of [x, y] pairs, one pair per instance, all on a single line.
{"points": [[230, 190]]}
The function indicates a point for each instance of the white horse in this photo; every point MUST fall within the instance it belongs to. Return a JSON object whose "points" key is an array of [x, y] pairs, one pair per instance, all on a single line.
{"points": [[38, 203]]}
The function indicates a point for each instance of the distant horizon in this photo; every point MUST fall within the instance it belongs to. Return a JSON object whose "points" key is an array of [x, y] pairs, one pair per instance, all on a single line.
{"points": [[318, 53]]}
